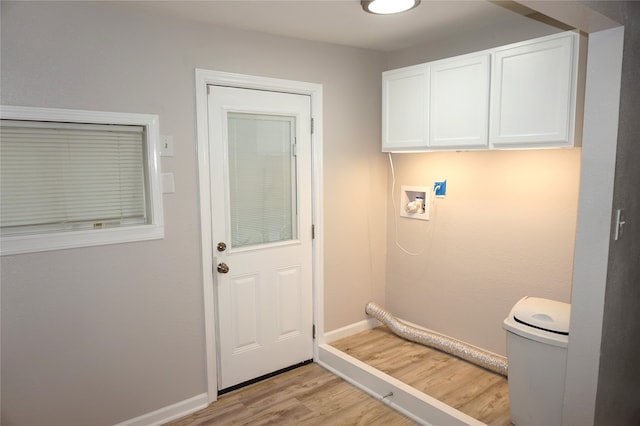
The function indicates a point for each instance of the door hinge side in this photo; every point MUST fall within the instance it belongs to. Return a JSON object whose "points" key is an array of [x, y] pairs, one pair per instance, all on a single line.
{"points": [[312, 125], [313, 232], [294, 151], [313, 331]]}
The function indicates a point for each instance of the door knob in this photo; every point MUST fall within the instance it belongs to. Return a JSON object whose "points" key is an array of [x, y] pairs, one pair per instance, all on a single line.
{"points": [[221, 246], [223, 268]]}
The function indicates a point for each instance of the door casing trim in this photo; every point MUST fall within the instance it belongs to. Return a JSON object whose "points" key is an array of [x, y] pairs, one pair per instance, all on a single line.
{"points": [[203, 78]]}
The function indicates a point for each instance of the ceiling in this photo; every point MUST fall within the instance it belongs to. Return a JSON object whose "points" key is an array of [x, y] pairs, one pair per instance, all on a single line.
{"points": [[343, 21]]}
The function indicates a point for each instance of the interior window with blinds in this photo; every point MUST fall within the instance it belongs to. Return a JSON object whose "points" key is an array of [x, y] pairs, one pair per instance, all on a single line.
{"points": [[77, 178], [57, 176]]}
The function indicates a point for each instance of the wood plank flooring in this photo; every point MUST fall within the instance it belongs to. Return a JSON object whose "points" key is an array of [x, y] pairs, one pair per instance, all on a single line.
{"points": [[308, 395], [473, 390], [311, 395]]}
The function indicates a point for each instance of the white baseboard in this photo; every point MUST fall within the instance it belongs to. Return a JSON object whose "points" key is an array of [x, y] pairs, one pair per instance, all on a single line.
{"points": [[350, 330], [414, 404], [170, 412]]}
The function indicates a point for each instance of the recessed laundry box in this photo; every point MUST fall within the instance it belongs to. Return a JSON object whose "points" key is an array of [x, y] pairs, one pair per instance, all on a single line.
{"points": [[537, 338]]}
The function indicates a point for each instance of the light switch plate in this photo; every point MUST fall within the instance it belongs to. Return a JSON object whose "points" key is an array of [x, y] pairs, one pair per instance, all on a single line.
{"points": [[166, 146]]}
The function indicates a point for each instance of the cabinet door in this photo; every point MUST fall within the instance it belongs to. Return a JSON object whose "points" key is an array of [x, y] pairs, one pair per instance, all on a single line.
{"points": [[534, 91], [405, 108], [459, 102]]}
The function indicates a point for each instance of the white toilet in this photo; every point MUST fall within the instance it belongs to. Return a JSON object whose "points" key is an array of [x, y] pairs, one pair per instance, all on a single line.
{"points": [[537, 337]]}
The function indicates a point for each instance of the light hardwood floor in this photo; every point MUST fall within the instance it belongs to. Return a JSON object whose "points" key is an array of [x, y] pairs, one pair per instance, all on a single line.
{"points": [[473, 390], [308, 395], [311, 395]]}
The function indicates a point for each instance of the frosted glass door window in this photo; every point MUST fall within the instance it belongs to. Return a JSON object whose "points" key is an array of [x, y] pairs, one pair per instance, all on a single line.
{"points": [[262, 178]]}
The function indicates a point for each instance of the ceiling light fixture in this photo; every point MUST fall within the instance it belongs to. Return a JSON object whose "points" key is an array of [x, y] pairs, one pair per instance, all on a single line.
{"points": [[388, 7]]}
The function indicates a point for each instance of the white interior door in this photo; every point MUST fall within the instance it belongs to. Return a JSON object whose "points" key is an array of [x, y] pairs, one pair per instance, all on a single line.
{"points": [[260, 148]]}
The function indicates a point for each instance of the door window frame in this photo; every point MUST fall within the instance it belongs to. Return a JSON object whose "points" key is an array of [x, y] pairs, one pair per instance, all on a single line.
{"points": [[204, 78]]}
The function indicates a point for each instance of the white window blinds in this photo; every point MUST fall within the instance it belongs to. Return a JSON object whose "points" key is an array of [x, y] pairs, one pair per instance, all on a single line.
{"points": [[58, 176], [262, 178]]}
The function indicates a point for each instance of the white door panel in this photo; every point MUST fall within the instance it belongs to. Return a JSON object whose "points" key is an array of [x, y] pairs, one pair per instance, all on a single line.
{"points": [[260, 147]]}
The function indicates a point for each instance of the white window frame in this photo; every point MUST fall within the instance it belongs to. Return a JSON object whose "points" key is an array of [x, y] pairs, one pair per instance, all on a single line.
{"points": [[18, 244]]}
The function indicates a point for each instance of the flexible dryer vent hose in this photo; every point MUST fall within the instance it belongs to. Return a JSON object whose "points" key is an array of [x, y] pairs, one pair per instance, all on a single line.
{"points": [[490, 361]]}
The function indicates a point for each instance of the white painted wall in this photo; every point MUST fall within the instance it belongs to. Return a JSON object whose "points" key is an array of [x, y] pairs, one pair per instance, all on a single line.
{"points": [[594, 225], [600, 389], [505, 230]]}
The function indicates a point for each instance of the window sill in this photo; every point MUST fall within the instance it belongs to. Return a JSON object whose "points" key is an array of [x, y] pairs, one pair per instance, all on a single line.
{"points": [[12, 245]]}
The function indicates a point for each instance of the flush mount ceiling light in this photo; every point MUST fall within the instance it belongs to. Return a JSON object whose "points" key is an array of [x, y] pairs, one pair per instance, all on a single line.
{"points": [[388, 7]]}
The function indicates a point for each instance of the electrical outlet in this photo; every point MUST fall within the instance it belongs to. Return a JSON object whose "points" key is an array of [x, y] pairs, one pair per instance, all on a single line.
{"points": [[168, 184], [440, 188]]}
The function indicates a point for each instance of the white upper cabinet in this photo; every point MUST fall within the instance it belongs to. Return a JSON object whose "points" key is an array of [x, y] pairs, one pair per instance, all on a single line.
{"points": [[534, 93], [405, 108], [459, 102], [518, 96]]}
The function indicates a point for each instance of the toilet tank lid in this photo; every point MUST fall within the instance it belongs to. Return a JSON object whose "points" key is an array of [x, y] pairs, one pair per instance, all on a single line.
{"points": [[544, 314]]}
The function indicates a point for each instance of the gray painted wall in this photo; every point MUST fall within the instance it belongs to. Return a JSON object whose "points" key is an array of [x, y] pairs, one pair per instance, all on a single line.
{"points": [[520, 28], [100, 335]]}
